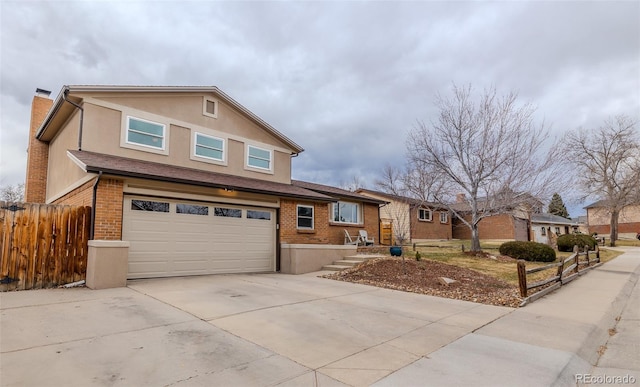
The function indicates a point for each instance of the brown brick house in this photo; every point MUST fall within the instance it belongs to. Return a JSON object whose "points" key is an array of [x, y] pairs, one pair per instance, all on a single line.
{"points": [[512, 223], [182, 181], [415, 219]]}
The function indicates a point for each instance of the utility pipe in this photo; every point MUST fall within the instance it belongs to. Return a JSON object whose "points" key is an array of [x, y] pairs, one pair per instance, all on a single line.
{"points": [[93, 207], [64, 97]]}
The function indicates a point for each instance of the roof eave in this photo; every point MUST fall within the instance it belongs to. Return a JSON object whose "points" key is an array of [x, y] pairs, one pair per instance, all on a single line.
{"points": [[120, 173]]}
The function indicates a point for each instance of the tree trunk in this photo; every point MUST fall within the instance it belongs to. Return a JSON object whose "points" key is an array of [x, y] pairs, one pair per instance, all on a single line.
{"points": [[613, 236], [475, 239]]}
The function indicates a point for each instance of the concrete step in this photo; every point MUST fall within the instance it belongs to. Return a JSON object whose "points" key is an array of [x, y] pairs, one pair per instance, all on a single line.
{"points": [[335, 267], [346, 262], [363, 257]]}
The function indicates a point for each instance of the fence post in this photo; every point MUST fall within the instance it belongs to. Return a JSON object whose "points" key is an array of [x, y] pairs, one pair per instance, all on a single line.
{"points": [[577, 259], [597, 254], [522, 277], [586, 254]]}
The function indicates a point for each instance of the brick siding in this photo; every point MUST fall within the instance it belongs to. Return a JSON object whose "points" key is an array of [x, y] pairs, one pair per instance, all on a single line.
{"points": [[429, 229], [35, 188], [109, 197], [492, 227], [623, 228], [324, 232]]}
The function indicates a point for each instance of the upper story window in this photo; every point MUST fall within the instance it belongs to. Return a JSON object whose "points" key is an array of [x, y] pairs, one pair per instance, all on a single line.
{"points": [[305, 217], [425, 215], [145, 133], [209, 147], [259, 158], [444, 217], [346, 212], [210, 107]]}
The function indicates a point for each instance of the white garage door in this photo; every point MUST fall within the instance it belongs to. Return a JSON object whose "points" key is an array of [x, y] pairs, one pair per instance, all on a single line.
{"points": [[169, 237]]}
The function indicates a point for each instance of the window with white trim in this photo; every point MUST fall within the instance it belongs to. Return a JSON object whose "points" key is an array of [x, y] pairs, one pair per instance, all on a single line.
{"points": [[259, 158], [145, 133], [210, 107], [305, 217], [444, 217], [425, 214], [346, 212], [544, 231], [208, 147]]}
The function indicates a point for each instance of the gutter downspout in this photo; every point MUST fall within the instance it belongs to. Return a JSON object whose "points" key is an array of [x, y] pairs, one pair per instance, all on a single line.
{"points": [[93, 207], [64, 97]]}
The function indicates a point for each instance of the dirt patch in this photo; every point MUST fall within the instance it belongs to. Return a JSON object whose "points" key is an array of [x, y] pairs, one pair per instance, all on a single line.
{"points": [[423, 277]]}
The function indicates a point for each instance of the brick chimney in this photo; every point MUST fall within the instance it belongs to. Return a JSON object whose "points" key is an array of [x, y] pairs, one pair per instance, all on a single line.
{"points": [[461, 198], [35, 188]]}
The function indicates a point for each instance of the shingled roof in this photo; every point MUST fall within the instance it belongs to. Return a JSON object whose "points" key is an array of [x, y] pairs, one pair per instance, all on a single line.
{"points": [[335, 192], [127, 167]]}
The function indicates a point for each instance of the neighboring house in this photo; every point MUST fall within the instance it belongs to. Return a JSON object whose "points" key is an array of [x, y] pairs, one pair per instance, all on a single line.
{"points": [[182, 181], [599, 219], [412, 218], [512, 224], [546, 227]]}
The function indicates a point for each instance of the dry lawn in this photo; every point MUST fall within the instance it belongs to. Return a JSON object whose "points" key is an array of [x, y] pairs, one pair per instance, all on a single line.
{"points": [[486, 278]]}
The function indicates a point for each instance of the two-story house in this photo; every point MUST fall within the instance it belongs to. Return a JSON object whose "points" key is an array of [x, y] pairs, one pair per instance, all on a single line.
{"points": [[599, 219], [181, 181]]}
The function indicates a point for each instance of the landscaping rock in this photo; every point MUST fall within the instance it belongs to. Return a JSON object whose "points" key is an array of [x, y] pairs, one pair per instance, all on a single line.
{"points": [[446, 281]]}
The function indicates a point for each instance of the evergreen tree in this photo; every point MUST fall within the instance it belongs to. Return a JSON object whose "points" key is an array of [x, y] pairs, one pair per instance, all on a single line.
{"points": [[556, 207]]}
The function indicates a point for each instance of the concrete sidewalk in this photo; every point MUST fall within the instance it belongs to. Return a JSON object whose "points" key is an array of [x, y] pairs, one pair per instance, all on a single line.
{"points": [[555, 341], [286, 330]]}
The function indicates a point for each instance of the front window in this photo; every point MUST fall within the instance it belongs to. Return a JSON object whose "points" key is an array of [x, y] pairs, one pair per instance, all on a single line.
{"points": [[444, 217], [305, 217], [345, 212], [425, 215], [209, 147], [145, 133], [557, 230], [544, 231], [259, 158]]}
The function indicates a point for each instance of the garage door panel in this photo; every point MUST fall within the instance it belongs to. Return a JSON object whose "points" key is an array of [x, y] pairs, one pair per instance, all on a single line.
{"points": [[174, 244]]}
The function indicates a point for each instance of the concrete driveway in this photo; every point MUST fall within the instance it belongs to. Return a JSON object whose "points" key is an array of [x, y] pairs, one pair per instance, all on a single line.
{"points": [[267, 329]]}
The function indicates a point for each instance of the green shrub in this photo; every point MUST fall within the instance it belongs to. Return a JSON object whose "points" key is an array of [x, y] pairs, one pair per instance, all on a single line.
{"points": [[418, 256], [529, 251], [567, 241]]}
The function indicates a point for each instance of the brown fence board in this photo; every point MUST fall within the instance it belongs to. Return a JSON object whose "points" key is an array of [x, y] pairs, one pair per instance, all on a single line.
{"points": [[42, 245]]}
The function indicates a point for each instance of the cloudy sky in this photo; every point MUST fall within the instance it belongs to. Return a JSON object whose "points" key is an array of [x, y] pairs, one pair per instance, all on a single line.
{"points": [[346, 80]]}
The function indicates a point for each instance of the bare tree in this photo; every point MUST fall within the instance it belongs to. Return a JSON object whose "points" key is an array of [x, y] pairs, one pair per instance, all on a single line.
{"points": [[12, 193], [490, 150], [393, 182], [608, 162], [353, 184], [411, 188]]}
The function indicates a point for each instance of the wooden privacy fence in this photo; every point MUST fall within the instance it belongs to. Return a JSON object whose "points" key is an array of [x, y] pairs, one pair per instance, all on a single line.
{"points": [[568, 269], [42, 245]]}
